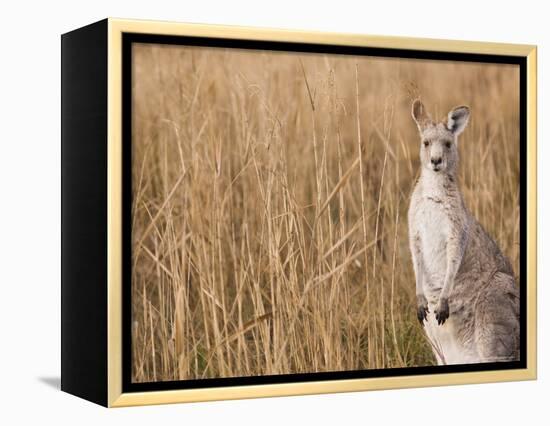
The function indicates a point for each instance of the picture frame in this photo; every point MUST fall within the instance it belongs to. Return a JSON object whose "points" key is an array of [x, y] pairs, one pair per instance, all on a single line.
{"points": [[100, 86]]}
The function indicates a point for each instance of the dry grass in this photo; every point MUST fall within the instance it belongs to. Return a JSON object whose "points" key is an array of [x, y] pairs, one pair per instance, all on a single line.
{"points": [[270, 199]]}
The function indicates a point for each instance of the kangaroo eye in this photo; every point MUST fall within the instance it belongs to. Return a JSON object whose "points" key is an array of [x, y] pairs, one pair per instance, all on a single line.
{"points": [[426, 143], [448, 144]]}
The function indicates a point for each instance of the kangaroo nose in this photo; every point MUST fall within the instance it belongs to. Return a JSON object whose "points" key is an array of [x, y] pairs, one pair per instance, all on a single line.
{"points": [[436, 161]]}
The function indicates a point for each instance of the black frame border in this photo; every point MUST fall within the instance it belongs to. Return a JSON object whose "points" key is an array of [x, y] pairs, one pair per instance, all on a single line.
{"points": [[84, 187], [128, 39]]}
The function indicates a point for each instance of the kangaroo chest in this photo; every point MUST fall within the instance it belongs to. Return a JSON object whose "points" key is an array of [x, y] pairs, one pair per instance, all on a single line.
{"points": [[433, 224]]}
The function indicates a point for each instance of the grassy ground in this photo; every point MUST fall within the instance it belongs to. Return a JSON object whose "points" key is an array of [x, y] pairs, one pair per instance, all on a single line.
{"points": [[270, 200]]}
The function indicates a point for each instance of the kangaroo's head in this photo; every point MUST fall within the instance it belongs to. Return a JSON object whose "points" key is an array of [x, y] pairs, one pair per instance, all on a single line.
{"points": [[438, 141]]}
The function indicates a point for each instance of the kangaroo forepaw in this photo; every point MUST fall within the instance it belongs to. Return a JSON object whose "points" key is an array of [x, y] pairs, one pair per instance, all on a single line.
{"points": [[442, 311], [422, 309]]}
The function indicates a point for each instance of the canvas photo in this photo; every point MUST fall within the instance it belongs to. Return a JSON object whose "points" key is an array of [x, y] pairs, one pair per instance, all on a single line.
{"points": [[298, 213]]}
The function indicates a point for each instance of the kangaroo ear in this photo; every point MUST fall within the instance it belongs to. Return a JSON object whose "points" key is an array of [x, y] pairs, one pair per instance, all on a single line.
{"points": [[420, 115], [457, 120]]}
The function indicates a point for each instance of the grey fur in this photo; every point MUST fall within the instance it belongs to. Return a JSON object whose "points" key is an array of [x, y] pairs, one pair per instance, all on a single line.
{"points": [[467, 296]]}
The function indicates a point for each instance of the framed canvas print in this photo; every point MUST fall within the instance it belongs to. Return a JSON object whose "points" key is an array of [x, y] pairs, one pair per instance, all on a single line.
{"points": [[251, 212]]}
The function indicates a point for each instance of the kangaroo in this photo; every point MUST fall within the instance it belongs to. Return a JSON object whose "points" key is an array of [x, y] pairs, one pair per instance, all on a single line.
{"points": [[467, 297]]}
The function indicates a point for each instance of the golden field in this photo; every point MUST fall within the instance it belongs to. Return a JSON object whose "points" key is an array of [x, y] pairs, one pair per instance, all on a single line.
{"points": [[270, 196]]}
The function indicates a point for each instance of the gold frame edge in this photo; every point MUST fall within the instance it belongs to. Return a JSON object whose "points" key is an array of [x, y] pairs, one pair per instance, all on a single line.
{"points": [[114, 213]]}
